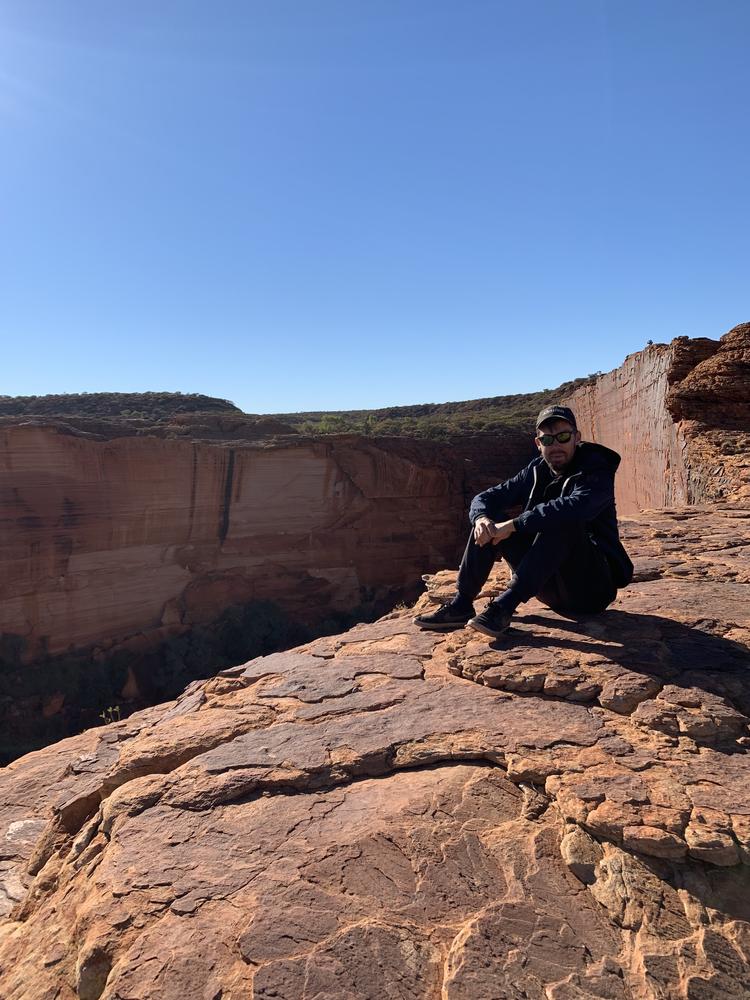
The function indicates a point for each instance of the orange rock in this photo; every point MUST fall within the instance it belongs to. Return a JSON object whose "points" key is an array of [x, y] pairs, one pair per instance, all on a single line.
{"points": [[356, 808], [654, 841]]}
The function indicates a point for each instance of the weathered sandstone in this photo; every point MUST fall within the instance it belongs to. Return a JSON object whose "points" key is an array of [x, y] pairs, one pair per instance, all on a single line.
{"points": [[678, 414], [110, 549], [105, 539], [562, 814]]}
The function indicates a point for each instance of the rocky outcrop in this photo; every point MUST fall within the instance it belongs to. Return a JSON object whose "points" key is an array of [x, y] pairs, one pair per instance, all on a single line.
{"points": [[560, 814], [715, 390], [678, 415]]}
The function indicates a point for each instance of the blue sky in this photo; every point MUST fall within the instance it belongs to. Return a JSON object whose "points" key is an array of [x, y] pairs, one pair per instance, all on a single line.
{"points": [[329, 204]]}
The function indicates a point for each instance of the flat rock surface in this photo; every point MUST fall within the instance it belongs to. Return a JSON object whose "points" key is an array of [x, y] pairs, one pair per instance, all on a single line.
{"points": [[389, 813]]}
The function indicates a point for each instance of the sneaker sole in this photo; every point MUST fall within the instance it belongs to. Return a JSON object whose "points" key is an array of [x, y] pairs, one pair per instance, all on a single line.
{"points": [[494, 633], [448, 627]]}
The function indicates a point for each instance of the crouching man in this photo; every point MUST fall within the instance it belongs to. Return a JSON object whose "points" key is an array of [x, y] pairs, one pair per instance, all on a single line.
{"points": [[564, 548]]}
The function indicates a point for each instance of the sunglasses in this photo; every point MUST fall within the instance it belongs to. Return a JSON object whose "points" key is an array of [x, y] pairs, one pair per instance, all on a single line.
{"points": [[562, 437]]}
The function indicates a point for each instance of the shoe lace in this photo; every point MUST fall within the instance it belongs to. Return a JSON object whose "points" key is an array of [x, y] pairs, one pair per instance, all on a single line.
{"points": [[493, 608], [446, 608]]}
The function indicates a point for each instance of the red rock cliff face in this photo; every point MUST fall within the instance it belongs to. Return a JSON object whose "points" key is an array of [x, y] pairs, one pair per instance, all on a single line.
{"points": [[678, 415], [122, 547], [104, 539]]}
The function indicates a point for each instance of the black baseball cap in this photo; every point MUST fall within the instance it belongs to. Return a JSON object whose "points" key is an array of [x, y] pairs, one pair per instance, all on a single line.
{"points": [[556, 413]]}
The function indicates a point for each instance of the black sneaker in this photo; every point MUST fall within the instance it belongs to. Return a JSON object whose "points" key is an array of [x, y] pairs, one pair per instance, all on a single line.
{"points": [[447, 618], [494, 620]]}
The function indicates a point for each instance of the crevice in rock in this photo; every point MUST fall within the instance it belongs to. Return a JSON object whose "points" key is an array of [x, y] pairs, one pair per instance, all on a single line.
{"points": [[227, 498], [327, 779]]}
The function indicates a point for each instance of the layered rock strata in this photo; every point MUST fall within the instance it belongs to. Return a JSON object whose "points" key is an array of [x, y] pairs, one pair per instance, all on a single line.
{"points": [[562, 814], [678, 414], [105, 539], [111, 549]]}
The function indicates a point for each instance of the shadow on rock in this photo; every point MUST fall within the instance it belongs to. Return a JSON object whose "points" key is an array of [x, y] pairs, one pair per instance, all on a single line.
{"points": [[667, 676]]}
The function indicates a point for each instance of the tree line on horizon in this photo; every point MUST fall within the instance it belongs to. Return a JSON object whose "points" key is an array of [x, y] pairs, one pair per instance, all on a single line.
{"points": [[146, 405], [436, 421]]}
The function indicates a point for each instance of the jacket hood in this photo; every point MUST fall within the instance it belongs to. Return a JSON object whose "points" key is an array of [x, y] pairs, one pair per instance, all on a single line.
{"points": [[590, 456]]}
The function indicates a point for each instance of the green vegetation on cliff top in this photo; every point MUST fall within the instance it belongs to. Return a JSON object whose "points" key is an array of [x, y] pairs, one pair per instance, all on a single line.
{"points": [[435, 420], [197, 413], [143, 405]]}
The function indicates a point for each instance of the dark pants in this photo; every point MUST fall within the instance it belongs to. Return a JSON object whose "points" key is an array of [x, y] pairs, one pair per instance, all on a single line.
{"points": [[565, 569]]}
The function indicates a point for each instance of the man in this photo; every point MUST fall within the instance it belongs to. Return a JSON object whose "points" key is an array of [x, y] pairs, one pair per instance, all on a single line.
{"points": [[564, 548]]}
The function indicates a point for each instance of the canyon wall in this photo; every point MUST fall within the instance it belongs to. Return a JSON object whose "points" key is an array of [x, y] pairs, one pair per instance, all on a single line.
{"points": [[104, 539], [678, 415], [115, 548]]}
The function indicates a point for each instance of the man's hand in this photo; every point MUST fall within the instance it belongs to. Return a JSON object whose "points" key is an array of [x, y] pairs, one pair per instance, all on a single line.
{"points": [[487, 531], [483, 530], [501, 531]]}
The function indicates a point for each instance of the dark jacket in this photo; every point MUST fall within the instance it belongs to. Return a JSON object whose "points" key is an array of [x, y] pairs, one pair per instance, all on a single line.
{"points": [[583, 496]]}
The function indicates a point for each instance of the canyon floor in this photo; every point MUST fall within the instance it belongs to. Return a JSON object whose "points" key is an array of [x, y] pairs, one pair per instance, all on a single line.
{"points": [[561, 814]]}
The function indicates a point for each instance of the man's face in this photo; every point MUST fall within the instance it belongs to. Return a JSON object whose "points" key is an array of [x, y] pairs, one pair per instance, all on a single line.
{"points": [[557, 455]]}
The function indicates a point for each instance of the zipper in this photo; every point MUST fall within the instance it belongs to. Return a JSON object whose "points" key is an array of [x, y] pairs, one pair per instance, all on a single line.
{"points": [[533, 487], [565, 483]]}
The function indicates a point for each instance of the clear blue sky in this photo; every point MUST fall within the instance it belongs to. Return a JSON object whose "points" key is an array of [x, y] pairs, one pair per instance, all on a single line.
{"points": [[328, 204]]}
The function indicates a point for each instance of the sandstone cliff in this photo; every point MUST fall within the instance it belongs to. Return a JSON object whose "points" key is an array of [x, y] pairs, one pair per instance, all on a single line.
{"points": [[112, 548], [104, 539], [678, 414], [563, 814]]}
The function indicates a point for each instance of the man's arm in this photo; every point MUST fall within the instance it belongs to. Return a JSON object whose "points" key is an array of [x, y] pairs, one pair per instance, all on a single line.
{"points": [[493, 503]]}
